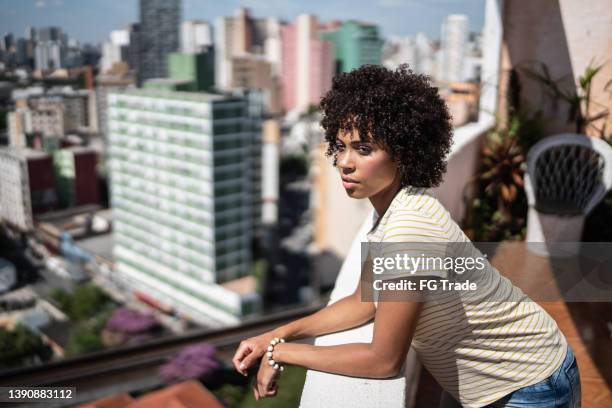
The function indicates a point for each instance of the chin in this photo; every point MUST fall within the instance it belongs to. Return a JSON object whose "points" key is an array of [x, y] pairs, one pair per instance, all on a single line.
{"points": [[355, 193]]}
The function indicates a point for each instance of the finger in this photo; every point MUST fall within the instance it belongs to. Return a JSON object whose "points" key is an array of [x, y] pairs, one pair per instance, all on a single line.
{"points": [[249, 360], [256, 393], [243, 350], [272, 390], [262, 389]]}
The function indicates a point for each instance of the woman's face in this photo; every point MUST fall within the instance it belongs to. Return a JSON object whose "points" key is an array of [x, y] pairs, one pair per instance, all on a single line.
{"points": [[366, 169]]}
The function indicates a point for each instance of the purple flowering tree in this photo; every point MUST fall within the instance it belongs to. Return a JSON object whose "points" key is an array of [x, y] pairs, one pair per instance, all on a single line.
{"points": [[129, 321], [194, 362]]}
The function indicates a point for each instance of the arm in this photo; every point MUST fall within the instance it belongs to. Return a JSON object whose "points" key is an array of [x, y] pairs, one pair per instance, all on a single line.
{"points": [[344, 314], [394, 327]]}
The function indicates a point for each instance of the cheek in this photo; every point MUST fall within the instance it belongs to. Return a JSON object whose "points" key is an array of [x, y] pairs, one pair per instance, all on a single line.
{"points": [[383, 168], [379, 169]]}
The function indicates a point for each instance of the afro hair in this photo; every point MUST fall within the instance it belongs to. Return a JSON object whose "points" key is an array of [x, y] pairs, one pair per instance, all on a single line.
{"points": [[397, 110]]}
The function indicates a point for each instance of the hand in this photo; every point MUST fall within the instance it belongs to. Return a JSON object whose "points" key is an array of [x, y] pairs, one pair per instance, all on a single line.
{"points": [[266, 385], [251, 350]]}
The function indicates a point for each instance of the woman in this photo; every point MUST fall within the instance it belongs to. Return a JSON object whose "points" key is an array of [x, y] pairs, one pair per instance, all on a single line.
{"points": [[389, 133]]}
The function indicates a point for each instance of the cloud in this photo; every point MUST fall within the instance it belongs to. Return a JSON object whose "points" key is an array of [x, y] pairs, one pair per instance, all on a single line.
{"points": [[404, 3], [48, 3], [392, 3]]}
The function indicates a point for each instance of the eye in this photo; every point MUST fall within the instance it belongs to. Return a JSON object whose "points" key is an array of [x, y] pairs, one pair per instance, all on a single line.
{"points": [[339, 145], [364, 149]]}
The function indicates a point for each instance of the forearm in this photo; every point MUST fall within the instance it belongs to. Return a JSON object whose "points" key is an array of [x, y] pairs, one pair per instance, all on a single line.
{"points": [[354, 359], [344, 314]]}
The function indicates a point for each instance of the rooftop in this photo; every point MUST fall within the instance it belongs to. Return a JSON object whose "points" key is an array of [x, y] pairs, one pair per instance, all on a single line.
{"points": [[23, 153], [187, 394], [176, 95]]}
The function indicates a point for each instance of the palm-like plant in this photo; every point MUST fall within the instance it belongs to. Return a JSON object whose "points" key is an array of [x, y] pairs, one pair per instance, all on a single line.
{"points": [[502, 172], [498, 213], [577, 96]]}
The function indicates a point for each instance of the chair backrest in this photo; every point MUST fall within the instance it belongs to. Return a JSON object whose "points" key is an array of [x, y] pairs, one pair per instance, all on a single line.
{"points": [[568, 174]]}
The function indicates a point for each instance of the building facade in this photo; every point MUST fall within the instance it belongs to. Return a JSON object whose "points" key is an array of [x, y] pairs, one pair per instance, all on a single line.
{"points": [[454, 38], [181, 191], [76, 176], [115, 49], [355, 44], [247, 55], [307, 64], [51, 48], [158, 36], [197, 68], [196, 37], [27, 185]]}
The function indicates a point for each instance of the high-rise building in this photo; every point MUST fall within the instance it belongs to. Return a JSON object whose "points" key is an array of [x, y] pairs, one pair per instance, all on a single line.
{"points": [[76, 176], [51, 48], [49, 55], [115, 49], [21, 52], [247, 55], [105, 84], [308, 64], [8, 41], [197, 68], [454, 37], [47, 118], [426, 54], [19, 123], [418, 52], [472, 64], [196, 37], [181, 187], [31, 33], [159, 36], [60, 113], [27, 185], [355, 44]]}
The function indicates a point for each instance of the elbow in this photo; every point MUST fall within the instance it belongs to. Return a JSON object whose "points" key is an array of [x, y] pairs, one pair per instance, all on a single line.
{"points": [[388, 367], [392, 369]]}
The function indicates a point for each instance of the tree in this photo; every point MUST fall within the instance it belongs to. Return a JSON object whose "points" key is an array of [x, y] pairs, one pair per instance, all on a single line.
{"points": [[20, 347], [129, 321], [86, 301], [195, 362]]}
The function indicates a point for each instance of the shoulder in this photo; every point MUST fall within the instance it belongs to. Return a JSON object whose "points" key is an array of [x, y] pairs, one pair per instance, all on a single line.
{"points": [[421, 216]]}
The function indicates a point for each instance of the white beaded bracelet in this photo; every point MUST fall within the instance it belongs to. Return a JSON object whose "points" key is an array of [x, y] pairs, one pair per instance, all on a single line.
{"points": [[271, 361]]}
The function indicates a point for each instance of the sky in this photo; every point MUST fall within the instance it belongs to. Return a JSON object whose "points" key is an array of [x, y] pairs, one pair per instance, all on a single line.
{"points": [[90, 21]]}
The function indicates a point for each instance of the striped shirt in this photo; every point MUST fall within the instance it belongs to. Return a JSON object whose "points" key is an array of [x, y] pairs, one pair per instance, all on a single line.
{"points": [[478, 350]]}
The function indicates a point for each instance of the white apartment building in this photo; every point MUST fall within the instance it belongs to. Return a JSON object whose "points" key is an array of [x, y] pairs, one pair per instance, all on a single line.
{"points": [[454, 38], [15, 194], [196, 36], [181, 191]]}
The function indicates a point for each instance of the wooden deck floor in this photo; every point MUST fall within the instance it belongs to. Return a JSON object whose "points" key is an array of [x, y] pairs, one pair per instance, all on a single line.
{"points": [[583, 323]]}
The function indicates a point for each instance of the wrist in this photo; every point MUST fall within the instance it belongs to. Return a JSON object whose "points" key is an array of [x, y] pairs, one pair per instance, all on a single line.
{"points": [[281, 333], [271, 353], [278, 353]]}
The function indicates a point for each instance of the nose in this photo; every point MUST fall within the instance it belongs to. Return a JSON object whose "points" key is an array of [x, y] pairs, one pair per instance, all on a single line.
{"points": [[345, 161]]}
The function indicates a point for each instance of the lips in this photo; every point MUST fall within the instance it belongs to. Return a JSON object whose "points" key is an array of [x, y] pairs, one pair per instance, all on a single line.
{"points": [[348, 180], [349, 183]]}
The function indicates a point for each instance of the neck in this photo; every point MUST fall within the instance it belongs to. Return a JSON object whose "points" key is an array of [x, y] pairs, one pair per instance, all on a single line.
{"points": [[381, 200]]}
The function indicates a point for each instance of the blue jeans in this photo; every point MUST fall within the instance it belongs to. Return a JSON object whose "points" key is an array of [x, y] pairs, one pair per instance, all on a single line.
{"points": [[560, 390]]}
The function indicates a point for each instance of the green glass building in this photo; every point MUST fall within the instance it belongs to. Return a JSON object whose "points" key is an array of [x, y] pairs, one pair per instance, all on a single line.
{"points": [[355, 44]]}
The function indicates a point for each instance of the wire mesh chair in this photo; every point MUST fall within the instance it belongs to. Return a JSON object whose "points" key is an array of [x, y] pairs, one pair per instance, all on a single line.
{"points": [[567, 175]]}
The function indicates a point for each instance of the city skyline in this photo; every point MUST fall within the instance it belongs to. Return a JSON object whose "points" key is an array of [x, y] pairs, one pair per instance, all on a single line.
{"points": [[394, 17]]}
